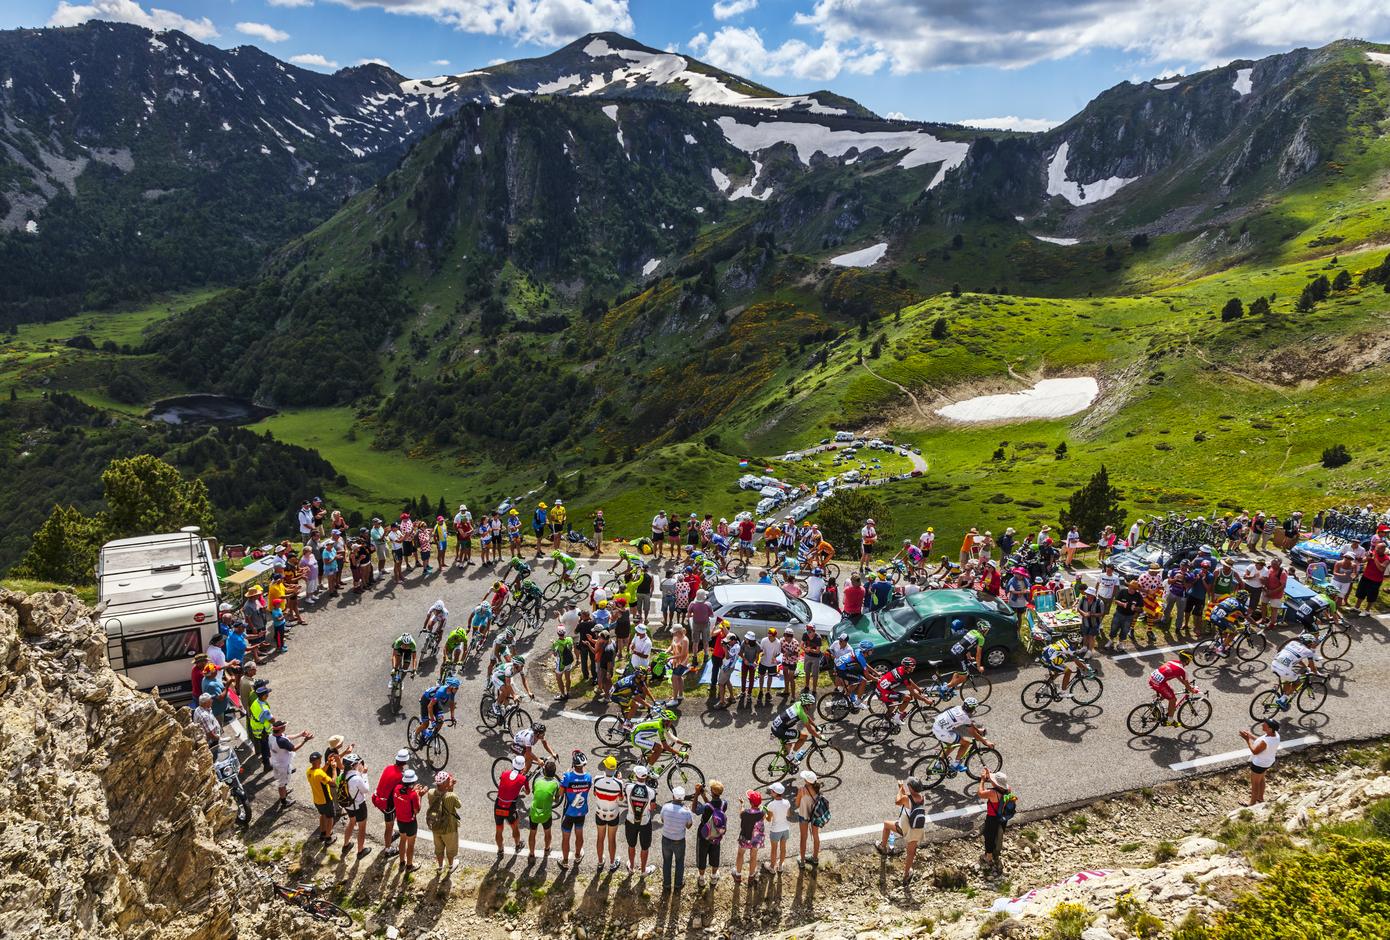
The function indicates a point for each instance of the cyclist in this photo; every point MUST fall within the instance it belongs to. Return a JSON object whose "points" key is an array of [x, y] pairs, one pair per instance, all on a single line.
{"points": [[403, 653], [1058, 656], [519, 570], [1298, 656], [455, 647], [720, 548], [435, 699], [953, 724], [565, 565], [1224, 619], [787, 564], [792, 725], [649, 737], [970, 650], [629, 560], [911, 555], [526, 740], [480, 620], [852, 670], [1160, 677], [896, 688], [436, 620], [501, 648], [631, 692], [529, 592], [499, 597], [502, 690]]}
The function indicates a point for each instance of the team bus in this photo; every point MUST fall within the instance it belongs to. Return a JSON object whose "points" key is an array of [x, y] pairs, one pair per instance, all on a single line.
{"points": [[158, 597]]}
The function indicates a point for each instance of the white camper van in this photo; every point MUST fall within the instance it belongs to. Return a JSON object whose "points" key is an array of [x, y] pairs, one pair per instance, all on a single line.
{"points": [[158, 599]]}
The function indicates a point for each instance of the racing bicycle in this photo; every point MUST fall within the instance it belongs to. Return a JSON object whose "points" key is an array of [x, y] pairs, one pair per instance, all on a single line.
{"points": [[936, 767], [306, 896], [877, 728], [1194, 711], [576, 584], [1309, 697], [396, 685], [821, 758], [614, 730], [1250, 644], [425, 737], [1085, 689], [430, 644], [674, 765]]}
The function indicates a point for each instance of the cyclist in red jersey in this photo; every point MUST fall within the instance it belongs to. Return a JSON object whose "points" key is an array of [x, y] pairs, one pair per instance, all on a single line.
{"points": [[1160, 677], [499, 597], [504, 810], [896, 688]]}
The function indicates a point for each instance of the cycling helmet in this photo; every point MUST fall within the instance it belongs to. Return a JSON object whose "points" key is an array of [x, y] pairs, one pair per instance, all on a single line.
{"points": [[957, 625], [497, 585], [453, 683], [818, 571], [1308, 638], [866, 645], [407, 640], [483, 606], [907, 541], [519, 659], [580, 759], [669, 716], [808, 698], [1243, 597], [970, 704], [538, 728], [908, 664], [610, 763], [507, 636], [1185, 656], [983, 626]]}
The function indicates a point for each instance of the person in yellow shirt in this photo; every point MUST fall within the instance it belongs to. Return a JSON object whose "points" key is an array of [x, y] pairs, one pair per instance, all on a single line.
{"points": [[275, 593], [772, 535], [559, 519], [321, 789]]}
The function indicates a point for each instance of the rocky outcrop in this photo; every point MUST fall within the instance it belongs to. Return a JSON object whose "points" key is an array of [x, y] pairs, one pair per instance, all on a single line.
{"points": [[111, 823]]}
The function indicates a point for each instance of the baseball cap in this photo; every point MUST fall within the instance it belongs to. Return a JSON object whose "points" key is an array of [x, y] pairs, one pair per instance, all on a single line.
{"points": [[778, 788]]}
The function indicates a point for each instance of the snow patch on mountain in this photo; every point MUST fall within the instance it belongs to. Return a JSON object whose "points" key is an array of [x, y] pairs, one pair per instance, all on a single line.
{"points": [[863, 258], [720, 179], [1242, 84], [809, 139], [650, 266], [1057, 241], [1380, 58], [1079, 194], [612, 111], [746, 190], [1167, 86], [560, 84]]}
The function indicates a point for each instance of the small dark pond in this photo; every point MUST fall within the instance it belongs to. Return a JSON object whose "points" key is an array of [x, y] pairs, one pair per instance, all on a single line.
{"points": [[208, 409]]}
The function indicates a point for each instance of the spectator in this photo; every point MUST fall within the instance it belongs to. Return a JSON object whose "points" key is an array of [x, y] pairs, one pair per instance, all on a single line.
{"points": [[812, 648], [641, 648], [752, 822], [1372, 577], [321, 792], [510, 786], [563, 648], [812, 812], [1091, 610], [713, 811], [732, 648], [442, 815], [258, 721], [545, 793], [769, 648], [360, 791], [668, 598], [1263, 750], [1107, 585], [676, 818], [386, 785], [1253, 579], [700, 614], [1174, 593], [1195, 597], [407, 802], [583, 639], [748, 671], [1275, 580], [910, 824], [831, 597], [206, 721], [1129, 602], [639, 796], [680, 663], [282, 750], [994, 790], [852, 598], [779, 828]]}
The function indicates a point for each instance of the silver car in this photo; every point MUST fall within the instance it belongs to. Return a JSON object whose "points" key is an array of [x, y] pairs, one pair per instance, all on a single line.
{"points": [[757, 607]]}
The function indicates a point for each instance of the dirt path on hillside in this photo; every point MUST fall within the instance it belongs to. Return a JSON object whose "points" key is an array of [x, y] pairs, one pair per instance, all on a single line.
{"points": [[902, 388]]}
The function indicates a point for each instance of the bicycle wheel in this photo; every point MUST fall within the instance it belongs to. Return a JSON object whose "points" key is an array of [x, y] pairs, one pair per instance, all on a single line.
{"points": [[1193, 713], [580, 584], [499, 767], [326, 910], [613, 586], [609, 730], [920, 720], [1311, 697], [411, 727], [1335, 645], [931, 770], [395, 698], [875, 729], [1264, 705], [824, 759], [986, 757], [437, 753], [685, 774], [489, 718], [735, 569], [1086, 689], [1144, 719], [551, 590], [428, 645], [517, 719], [833, 707], [770, 767], [1250, 646], [1205, 654], [978, 686], [832, 570], [1037, 695]]}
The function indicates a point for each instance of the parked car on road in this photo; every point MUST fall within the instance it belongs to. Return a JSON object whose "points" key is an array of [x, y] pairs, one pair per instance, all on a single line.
{"points": [[759, 606], [920, 626]]}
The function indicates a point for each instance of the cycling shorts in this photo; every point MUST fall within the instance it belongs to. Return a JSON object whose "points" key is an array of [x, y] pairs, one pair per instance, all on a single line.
{"points": [[1286, 673], [497, 684], [787, 732], [946, 735], [1164, 690], [889, 696]]}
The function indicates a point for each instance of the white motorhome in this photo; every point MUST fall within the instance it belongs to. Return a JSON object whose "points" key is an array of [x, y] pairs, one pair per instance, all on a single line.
{"points": [[158, 598]]}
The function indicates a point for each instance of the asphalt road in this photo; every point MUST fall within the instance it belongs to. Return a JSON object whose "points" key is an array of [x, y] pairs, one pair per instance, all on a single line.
{"points": [[333, 680]]}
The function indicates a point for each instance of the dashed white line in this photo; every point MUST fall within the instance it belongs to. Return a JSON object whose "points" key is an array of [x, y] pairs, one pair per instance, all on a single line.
{"points": [[878, 827], [1235, 755], [580, 716], [1153, 652]]}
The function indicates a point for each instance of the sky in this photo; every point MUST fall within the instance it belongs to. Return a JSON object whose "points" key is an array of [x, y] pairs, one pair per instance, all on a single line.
{"points": [[1025, 64]]}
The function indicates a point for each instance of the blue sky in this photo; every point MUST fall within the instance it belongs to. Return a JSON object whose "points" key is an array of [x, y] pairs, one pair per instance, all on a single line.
{"points": [[1026, 61]]}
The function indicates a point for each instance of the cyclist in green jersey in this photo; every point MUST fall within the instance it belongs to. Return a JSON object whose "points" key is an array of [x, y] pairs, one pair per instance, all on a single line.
{"points": [[651, 738], [520, 569], [630, 561], [403, 653], [970, 650], [543, 794], [794, 724], [564, 565]]}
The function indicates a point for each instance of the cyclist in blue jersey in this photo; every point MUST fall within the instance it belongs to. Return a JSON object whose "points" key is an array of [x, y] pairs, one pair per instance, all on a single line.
{"points": [[852, 671]]}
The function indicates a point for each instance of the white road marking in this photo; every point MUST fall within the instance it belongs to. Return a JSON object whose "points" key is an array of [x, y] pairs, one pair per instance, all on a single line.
{"points": [[878, 827], [1154, 652], [579, 716], [1234, 755]]}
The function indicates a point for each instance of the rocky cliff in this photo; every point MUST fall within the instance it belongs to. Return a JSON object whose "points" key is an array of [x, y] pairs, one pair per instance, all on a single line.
{"points": [[111, 824]]}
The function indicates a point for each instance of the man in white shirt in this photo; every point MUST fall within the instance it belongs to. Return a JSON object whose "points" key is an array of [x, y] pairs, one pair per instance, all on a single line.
{"points": [[570, 618], [1106, 586], [360, 789], [204, 718], [659, 523], [815, 585], [641, 648], [1132, 538], [306, 518], [769, 648]]}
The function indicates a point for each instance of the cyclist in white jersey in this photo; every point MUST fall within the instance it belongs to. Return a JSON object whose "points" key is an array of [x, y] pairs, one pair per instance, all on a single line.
{"points": [[954, 725], [1297, 657]]}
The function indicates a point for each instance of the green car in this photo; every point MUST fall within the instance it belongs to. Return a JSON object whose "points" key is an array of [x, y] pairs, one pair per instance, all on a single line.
{"points": [[920, 626]]}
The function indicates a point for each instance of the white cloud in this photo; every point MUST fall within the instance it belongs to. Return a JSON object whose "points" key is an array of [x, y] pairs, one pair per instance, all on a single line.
{"points": [[313, 60], [440, 62], [728, 9], [928, 34], [263, 31], [897, 116], [290, 3], [381, 62], [1011, 122], [741, 50], [128, 11], [547, 22]]}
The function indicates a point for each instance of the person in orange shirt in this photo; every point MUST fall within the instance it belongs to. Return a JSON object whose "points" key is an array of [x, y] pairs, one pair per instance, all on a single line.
{"points": [[772, 535], [967, 547]]}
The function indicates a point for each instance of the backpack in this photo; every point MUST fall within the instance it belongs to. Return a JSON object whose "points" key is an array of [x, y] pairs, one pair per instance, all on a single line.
{"points": [[713, 828], [344, 792], [1008, 806], [820, 812], [435, 815]]}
